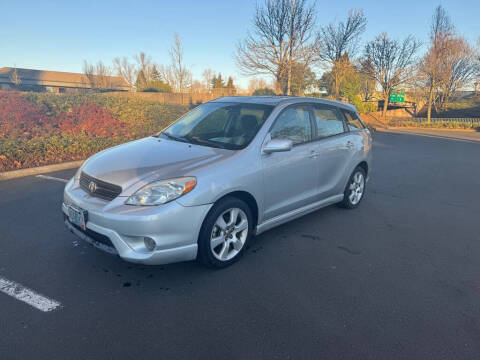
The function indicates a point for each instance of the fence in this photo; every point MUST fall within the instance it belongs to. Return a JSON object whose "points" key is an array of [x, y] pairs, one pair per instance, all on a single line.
{"points": [[461, 120]]}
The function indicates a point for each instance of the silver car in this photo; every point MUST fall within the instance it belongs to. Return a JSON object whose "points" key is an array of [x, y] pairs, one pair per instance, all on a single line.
{"points": [[227, 170]]}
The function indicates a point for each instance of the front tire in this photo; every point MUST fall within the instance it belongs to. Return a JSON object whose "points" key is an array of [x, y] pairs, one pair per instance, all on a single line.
{"points": [[225, 233], [355, 189]]}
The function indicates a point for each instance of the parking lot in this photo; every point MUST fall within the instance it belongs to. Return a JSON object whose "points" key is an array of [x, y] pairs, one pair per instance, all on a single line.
{"points": [[398, 278]]}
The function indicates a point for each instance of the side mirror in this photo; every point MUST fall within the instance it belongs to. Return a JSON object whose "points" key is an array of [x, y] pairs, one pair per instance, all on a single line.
{"points": [[277, 145]]}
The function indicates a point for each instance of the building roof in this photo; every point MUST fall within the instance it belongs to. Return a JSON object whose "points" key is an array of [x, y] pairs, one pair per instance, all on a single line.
{"points": [[56, 79], [275, 100]]}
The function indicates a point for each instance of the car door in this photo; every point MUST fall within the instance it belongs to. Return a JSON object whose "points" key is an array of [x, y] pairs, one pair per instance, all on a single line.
{"points": [[334, 149], [290, 177]]}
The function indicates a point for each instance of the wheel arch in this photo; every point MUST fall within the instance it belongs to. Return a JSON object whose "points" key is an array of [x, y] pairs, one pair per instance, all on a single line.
{"points": [[248, 198], [364, 166]]}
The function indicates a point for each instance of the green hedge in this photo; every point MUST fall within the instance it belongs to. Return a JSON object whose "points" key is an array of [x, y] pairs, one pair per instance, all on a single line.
{"points": [[142, 118]]}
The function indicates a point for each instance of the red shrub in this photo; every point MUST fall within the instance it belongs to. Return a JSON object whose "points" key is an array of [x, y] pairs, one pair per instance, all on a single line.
{"points": [[92, 120], [18, 117]]}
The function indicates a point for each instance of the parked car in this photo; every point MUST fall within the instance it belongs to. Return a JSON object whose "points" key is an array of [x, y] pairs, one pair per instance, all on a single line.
{"points": [[227, 170]]}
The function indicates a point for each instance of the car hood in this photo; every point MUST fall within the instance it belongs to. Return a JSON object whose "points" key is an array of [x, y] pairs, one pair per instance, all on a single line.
{"points": [[137, 163]]}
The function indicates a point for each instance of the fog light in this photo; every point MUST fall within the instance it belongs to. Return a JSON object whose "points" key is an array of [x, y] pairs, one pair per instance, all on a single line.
{"points": [[150, 244]]}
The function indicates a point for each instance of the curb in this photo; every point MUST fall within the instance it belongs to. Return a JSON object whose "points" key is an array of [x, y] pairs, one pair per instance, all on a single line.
{"points": [[6, 175], [428, 128]]}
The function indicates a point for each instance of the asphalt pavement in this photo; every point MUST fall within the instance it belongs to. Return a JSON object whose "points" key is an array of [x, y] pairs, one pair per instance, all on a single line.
{"points": [[397, 278]]}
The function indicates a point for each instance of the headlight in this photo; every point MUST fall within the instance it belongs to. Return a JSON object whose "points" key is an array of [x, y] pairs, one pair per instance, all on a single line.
{"points": [[163, 191]]}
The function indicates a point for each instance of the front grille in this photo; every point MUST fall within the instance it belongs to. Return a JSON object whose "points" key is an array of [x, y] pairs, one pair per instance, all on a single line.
{"points": [[102, 189]]}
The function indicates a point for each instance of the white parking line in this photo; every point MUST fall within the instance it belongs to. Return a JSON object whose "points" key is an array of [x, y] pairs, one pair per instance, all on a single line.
{"points": [[52, 178], [28, 296]]}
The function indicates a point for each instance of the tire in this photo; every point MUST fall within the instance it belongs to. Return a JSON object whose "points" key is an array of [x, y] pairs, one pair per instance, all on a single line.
{"points": [[220, 244], [355, 189]]}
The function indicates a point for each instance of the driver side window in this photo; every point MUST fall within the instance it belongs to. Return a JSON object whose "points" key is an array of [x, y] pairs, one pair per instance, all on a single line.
{"points": [[293, 124]]}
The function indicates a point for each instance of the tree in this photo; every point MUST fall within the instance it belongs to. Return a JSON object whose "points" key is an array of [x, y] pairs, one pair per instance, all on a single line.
{"points": [[460, 70], [230, 86], [144, 64], [181, 75], [156, 86], [340, 43], [217, 82], [367, 84], [256, 83], [207, 78], [125, 70], [98, 75], [141, 81], [283, 35], [389, 62], [263, 92], [449, 63], [301, 77], [432, 65], [15, 78]]}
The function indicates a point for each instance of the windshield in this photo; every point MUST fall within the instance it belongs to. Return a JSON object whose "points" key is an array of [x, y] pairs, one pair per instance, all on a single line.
{"points": [[224, 125]]}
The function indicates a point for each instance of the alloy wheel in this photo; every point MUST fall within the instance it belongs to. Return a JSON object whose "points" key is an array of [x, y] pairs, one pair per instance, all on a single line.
{"points": [[229, 234], [356, 188]]}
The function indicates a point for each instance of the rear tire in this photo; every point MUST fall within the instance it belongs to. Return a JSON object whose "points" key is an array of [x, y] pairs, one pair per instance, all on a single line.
{"points": [[225, 233], [355, 189]]}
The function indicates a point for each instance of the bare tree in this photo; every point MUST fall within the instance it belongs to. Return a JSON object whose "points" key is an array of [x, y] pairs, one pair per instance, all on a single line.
{"points": [[89, 72], [460, 68], [125, 70], [477, 80], [432, 65], [207, 78], [98, 75], [389, 62], [166, 74], [144, 64], [256, 83], [181, 74], [15, 78], [283, 35], [340, 43]]}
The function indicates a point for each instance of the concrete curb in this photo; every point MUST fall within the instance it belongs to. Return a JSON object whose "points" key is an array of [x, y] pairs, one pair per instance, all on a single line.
{"points": [[428, 128], [6, 175]]}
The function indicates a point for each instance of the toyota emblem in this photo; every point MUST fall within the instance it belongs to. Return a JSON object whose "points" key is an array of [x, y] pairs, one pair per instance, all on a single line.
{"points": [[92, 186]]}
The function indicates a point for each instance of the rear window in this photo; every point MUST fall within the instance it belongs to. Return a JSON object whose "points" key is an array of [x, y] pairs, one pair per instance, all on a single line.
{"points": [[329, 121], [353, 121]]}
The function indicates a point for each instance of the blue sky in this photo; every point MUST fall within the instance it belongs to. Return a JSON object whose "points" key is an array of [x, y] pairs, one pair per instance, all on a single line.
{"points": [[60, 35]]}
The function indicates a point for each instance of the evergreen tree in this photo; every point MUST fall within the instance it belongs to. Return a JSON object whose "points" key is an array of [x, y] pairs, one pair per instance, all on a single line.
{"points": [[218, 82], [155, 74], [230, 85], [141, 81]]}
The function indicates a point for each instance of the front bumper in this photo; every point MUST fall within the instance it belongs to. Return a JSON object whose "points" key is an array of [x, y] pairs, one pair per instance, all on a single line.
{"points": [[175, 228]]}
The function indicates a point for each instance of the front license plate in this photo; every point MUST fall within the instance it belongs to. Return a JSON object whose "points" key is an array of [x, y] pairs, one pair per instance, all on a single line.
{"points": [[77, 216]]}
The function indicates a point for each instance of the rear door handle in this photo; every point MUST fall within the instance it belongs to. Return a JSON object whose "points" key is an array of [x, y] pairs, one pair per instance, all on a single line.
{"points": [[313, 154], [350, 144]]}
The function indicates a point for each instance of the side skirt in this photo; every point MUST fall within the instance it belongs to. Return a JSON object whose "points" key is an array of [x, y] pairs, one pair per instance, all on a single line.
{"points": [[281, 219]]}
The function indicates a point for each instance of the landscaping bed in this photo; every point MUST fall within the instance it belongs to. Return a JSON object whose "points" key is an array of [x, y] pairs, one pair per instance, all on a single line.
{"points": [[40, 128]]}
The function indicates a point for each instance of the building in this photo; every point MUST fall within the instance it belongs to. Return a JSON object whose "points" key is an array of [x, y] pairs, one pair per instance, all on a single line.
{"points": [[57, 81]]}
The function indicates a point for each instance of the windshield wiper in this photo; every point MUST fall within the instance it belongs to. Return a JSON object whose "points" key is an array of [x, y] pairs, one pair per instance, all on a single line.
{"points": [[206, 142], [173, 137]]}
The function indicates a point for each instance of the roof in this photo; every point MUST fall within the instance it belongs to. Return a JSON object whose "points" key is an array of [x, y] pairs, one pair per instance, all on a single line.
{"points": [[56, 78], [276, 100]]}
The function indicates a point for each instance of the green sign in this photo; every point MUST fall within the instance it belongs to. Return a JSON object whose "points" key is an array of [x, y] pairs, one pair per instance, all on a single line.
{"points": [[397, 96]]}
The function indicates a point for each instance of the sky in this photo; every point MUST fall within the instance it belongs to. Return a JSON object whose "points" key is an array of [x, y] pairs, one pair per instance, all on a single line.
{"points": [[61, 35]]}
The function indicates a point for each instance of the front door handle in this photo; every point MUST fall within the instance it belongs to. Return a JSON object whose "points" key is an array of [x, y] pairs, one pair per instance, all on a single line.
{"points": [[350, 144]]}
